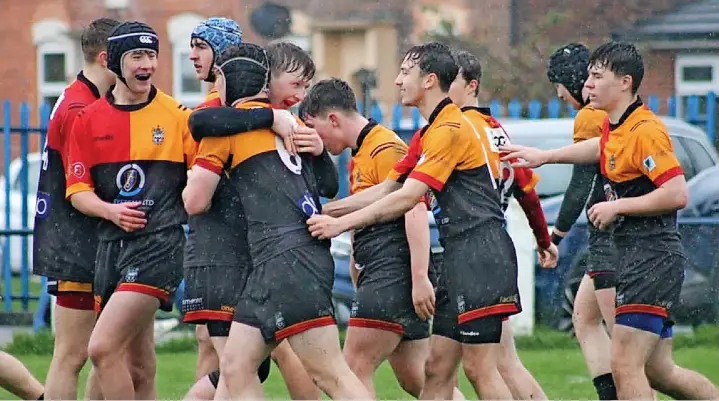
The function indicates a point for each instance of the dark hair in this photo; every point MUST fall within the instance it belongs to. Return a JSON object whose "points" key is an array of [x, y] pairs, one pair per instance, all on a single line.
{"points": [[621, 58], [329, 94], [288, 57], [94, 37], [469, 66], [434, 58]]}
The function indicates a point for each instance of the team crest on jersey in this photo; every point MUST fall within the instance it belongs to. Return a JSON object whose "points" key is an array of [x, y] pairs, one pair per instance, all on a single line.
{"points": [[612, 162], [649, 163], [131, 275], [158, 135]]}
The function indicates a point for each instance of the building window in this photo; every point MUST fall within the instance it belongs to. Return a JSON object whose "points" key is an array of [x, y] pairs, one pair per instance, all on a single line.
{"points": [[186, 88], [56, 56], [695, 75]]}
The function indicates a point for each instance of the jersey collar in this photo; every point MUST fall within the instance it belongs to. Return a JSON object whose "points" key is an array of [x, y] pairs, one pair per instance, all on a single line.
{"points": [[637, 104], [363, 134], [82, 78], [480, 109], [131, 107]]}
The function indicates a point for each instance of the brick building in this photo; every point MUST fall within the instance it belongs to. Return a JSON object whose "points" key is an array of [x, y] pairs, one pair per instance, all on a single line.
{"points": [[42, 43]]}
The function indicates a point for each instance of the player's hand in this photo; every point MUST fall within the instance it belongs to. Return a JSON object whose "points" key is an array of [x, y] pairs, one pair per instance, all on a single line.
{"points": [[125, 216], [330, 209], [423, 298], [524, 155], [307, 140], [284, 126], [324, 227], [548, 257], [603, 214]]}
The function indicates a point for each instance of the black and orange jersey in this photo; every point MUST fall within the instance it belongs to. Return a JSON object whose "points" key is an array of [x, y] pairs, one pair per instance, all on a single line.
{"points": [[61, 232], [511, 181], [273, 187], [378, 150], [453, 162], [129, 153], [637, 157], [218, 237]]}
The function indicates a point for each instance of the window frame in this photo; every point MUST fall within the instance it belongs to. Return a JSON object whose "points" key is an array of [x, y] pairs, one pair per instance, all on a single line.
{"points": [[689, 88], [52, 36]]}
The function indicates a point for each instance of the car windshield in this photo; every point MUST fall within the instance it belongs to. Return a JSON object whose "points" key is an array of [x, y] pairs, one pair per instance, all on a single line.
{"points": [[553, 178]]}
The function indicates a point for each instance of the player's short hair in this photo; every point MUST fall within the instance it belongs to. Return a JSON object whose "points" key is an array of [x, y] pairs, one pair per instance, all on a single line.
{"points": [[469, 67], [94, 37], [434, 58], [329, 94], [288, 57], [621, 58]]}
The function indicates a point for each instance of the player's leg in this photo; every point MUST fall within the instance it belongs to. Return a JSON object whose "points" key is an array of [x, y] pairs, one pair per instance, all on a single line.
{"points": [[299, 383], [593, 338], [92, 387], [15, 378], [481, 351], [365, 348], [238, 370], [679, 383], [407, 361], [126, 315], [207, 358], [142, 361], [319, 350], [519, 380], [75, 318], [440, 369], [631, 349], [445, 353]]}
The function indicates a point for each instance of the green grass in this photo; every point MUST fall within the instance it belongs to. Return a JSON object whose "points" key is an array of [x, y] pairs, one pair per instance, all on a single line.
{"points": [[16, 286], [562, 373]]}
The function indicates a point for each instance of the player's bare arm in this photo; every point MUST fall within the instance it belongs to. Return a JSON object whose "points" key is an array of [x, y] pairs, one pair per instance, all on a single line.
{"points": [[584, 152], [201, 186], [385, 209], [417, 229], [361, 199]]}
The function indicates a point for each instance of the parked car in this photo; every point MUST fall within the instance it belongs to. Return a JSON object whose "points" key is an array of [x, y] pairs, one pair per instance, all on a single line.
{"points": [[555, 289], [16, 199]]}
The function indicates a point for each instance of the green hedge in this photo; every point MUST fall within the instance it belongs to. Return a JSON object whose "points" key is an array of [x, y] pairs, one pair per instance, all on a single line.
{"points": [[542, 339]]}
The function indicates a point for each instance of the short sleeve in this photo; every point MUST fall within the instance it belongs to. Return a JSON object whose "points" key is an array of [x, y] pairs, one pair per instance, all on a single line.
{"points": [[654, 154], [588, 124], [79, 158], [213, 154], [406, 164], [442, 150]]}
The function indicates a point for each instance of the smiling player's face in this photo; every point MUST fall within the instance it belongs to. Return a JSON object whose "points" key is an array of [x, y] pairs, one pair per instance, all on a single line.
{"points": [[138, 67]]}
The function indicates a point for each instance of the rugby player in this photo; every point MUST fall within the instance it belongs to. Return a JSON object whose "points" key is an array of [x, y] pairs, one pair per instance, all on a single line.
{"points": [[62, 249], [644, 188], [127, 166], [446, 350], [278, 194], [390, 262], [594, 302], [470, 218], [216, 259], [291, 70]]}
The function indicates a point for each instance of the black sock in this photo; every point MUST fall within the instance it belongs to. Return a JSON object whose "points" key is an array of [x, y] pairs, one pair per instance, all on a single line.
{"points": [[41, 397], [606, 390]]}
